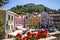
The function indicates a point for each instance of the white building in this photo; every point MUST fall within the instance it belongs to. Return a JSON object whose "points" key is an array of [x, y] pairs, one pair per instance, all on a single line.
{"points": [[44, 18], [9, 22]]}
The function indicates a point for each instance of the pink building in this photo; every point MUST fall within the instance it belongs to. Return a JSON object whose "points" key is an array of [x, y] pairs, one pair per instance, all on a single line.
{"points": [[19, 20]]}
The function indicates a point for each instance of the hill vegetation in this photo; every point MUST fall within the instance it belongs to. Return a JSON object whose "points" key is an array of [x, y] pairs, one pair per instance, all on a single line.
{"points": [[28, 8]]}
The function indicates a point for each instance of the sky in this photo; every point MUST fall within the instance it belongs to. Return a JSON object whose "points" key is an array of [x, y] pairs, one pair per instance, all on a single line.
{"points": [[53, 4]]}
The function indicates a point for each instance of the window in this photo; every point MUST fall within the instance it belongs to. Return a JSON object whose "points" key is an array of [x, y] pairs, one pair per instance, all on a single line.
{"points": [[17, 22], [8, 27], [8, 17], [11, 26], [12, 18]]}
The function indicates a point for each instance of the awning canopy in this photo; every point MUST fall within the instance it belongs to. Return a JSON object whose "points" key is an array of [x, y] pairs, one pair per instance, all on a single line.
{"points": [[16, 32], [19, 27], [24, 29]]}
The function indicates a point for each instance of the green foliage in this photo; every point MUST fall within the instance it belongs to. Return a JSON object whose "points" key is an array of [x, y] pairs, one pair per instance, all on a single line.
{"points": [[2, 19], [7, 23], [2, 23], [1, 34], [2, 2], [28, 8], [41, 36], [16, 38], [58, 25], [58, 10], [1, 26], [33, 38]]}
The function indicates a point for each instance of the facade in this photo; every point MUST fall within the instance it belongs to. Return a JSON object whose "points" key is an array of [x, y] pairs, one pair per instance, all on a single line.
{"points": [[12, 20], [19, 20], [54, 19], [33, 20], [9, 22], [44, 19]]}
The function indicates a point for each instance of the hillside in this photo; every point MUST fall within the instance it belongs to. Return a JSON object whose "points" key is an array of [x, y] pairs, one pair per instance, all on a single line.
{"points": [[28, 8]]}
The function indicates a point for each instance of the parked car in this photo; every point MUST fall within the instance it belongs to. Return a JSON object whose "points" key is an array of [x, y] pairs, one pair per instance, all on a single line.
{"points": [[52, 29]]}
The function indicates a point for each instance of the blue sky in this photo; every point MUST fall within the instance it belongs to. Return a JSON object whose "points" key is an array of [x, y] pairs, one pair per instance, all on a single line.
{"points": [[53, 4]]}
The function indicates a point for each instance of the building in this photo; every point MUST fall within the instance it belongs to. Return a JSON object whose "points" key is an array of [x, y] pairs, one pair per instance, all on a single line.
{"points": [[12, 21], [54, 19], [19, 20], [9, 22], [33, 20], [44, 19]]}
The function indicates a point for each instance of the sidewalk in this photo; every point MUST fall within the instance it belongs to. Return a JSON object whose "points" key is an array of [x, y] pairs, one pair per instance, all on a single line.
{"points": [[9, 39]]}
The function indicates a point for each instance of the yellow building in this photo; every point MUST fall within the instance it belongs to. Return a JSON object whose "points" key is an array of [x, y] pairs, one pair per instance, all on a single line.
{"points": [[34, 20]]}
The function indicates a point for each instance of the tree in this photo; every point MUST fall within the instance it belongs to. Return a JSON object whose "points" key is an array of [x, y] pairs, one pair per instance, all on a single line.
{"points": [[29, 8], [3, 2], [59, 10]]}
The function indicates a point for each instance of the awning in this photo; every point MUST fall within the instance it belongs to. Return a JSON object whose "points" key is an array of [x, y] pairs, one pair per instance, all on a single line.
{"points": [[24, 29], [16, 32], [19, 27], [31, 30]]}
